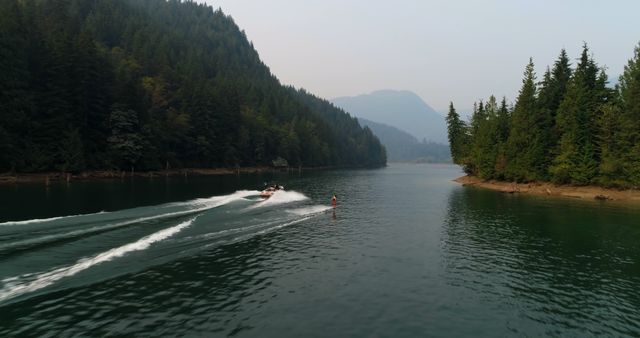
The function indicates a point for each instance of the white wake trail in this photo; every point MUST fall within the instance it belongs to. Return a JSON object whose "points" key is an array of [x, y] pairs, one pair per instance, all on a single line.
{"points": [[198, 205], [51, 219], [281, 197], [310, 210], [15, 286]]}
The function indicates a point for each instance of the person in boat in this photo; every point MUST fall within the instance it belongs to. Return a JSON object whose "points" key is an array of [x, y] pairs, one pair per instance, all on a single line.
{"points": [[334, 200]]}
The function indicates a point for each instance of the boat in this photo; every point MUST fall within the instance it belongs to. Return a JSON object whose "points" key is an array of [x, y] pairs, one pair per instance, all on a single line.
{"points": [[270, 190]]}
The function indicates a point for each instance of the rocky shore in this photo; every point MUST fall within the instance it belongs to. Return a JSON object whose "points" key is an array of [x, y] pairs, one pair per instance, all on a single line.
{"points": [[549, 189]]}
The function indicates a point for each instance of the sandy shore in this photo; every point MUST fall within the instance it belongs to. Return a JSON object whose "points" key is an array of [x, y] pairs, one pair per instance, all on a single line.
{"points": [[50, 177], [549, 189]]}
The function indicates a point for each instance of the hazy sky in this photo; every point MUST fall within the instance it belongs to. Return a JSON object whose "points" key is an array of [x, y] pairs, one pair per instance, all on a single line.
{"points": [[442, 50]]}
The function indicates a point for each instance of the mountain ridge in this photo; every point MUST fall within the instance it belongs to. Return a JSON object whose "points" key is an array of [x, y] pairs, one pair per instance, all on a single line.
{"points": [[402, 109], [404, 147]]}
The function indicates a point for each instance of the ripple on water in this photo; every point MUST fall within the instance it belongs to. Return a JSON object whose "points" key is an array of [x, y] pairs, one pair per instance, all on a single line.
{"points": [[422, 258], [547, 275]]}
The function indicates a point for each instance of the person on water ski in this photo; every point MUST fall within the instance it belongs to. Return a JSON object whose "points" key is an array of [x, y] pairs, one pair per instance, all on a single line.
{"points": [[334, 200]]}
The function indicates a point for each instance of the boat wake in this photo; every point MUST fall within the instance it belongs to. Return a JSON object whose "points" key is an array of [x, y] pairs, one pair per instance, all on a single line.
{"points": [[16, 286], [104, 242]]}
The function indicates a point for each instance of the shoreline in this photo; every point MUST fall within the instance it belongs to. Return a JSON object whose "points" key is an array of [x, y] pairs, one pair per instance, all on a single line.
{"points": [[94, 175], [588, 192]]}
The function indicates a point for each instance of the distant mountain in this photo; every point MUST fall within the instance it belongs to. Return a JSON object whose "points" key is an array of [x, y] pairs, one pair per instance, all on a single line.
{"points": [[401, 109], [404, 147]]}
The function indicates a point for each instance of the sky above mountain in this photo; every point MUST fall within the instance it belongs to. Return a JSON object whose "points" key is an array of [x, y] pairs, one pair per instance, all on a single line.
{"points": [[441, 50]]}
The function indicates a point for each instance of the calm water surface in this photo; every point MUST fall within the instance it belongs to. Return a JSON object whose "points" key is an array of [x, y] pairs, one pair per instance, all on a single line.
{"points": [[407, 253]]}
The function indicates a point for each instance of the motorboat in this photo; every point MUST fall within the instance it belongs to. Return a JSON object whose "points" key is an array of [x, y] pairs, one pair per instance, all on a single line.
{"points": [[270, 190]]}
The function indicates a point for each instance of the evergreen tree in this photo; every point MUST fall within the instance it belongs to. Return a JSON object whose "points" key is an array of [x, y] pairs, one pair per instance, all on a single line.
{"points": [[502, 136], [525, 148], [125, 140], [576, 161], [552, 92], [15, 99], [613, 148], [485, 143], [629, 137], [457, 135]]}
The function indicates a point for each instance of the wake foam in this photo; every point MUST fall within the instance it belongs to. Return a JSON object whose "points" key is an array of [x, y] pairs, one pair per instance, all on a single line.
{"points": [[310, 210], [215, 201], [196, 206], [15, 286], [51, 219], [257, 233], [282, 197]]}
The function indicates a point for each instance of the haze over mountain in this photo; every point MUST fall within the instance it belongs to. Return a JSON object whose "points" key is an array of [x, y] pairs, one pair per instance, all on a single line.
{"points": [[401, 109], [404, 147]]}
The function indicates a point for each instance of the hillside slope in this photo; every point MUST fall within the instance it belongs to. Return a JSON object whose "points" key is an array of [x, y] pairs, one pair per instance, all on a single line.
{"points": [[151, 84]]}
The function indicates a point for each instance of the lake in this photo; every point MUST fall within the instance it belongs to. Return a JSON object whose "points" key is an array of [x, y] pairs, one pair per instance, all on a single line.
{"points": [[406, 253]]}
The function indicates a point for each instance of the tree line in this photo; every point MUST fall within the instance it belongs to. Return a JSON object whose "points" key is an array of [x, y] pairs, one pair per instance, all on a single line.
{"points": [[569, 128], [153, 84]]}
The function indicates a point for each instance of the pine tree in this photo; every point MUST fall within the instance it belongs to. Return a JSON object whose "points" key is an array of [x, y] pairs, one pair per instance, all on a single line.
{"points": [[457, 135], [577, 161], [629, 138], [613, 149], [125, 140], [503, 121], [525, 147], [15, 101], [552, 92], [486, 139]]}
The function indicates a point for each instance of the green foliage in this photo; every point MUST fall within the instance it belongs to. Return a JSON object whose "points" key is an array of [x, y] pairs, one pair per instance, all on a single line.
{"points": [[152, 84], [525, 149], [629, 101], [577, 122], [458, 136], [125, 141], [572, 129]]}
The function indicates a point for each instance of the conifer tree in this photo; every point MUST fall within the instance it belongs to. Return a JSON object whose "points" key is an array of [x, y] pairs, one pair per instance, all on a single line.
{"points": [[629, 138], [486, 139], [613, 148], [458, 136], [502, 134], [552, 92], [576, 161], [14, 80], [525, 147]]}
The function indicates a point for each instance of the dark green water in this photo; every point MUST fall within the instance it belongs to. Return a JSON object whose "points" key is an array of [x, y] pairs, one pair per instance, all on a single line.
{"points": [[407, 253]]}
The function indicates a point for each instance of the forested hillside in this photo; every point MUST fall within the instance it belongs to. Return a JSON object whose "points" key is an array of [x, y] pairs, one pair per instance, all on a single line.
{"points": [[151, 84], [570, 128]]}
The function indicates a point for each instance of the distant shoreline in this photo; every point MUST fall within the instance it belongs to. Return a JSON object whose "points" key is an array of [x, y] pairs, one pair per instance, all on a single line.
{"points": [[51, 177], [548, 189]]}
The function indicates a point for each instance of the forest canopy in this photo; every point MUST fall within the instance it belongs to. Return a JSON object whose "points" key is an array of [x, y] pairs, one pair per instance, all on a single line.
{"points": [[152, 84], [570, 127]]}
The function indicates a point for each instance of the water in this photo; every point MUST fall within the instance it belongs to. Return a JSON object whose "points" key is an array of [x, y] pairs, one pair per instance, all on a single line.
{"points": [[406, 253]]}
